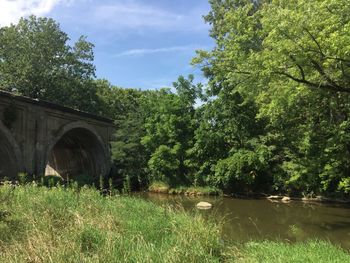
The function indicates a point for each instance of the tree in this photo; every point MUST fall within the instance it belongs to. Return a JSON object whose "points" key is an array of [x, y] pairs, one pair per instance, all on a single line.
{"points": [[226, 152], [37, 61], [311, 47], [290, 59], [170, 127], [256, 42]]}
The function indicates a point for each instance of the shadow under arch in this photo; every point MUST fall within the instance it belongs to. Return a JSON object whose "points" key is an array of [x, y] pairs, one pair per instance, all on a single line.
{"points": [[77, 151], [10, 154]]}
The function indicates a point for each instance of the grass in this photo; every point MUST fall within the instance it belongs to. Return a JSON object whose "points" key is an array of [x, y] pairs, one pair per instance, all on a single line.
{"points": [[279, 252], [160, 187], [40, 224]]}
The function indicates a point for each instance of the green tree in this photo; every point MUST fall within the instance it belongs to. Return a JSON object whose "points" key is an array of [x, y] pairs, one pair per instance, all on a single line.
{"points": [[37, 61], [226, 152], [170, 127], [125, 107], [290, 59]]}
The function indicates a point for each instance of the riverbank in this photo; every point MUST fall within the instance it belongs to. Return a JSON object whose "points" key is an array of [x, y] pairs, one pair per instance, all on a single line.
{"points": [[39, 224], [163, 188], [317, 199]]}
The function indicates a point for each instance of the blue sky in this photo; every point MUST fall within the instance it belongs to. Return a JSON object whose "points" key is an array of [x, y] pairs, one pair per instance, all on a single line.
{"points": [[143, 44]]}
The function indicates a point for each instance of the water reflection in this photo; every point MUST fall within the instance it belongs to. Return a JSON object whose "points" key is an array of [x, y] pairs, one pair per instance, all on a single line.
{"points": [[245, 219]]}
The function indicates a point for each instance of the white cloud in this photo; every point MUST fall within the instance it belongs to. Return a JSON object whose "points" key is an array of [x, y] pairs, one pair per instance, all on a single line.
{"points": [[146, 51], [135, 15], [12, 10]]}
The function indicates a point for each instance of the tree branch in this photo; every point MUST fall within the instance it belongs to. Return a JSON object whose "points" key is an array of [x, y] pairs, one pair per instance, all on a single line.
{"points": [[302, 73], [312, 84], [315, 40], [320, 70]]}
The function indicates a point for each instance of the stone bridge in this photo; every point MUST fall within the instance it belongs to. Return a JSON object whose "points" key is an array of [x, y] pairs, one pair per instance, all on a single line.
{"points": [[42, 138]]}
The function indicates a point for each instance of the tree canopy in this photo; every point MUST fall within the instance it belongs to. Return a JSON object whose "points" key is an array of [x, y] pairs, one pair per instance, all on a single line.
{"points": [[273, 117], [291, 60], [37, 61]]}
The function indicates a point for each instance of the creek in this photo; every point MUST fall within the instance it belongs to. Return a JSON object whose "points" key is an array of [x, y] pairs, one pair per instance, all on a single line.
{"points": [[261, 219]]}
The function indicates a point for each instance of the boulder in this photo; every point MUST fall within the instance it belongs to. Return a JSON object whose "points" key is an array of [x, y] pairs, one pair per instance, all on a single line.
{"points": [[204, 205]]}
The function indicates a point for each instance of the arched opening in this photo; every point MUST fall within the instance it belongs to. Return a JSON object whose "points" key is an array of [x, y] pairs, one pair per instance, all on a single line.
{"points": [[9, 166], [78, 154]]}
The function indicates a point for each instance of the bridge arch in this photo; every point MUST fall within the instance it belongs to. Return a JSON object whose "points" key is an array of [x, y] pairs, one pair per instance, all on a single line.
{"points": [[10, 154], [77, 150]]}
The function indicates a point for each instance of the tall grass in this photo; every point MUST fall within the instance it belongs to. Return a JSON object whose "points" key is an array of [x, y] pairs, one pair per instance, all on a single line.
{"points": [[39, 224], [279, 252], [72, 224]]}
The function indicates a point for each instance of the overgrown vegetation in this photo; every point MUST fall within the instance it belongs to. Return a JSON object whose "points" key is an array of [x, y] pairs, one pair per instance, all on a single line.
{"points": [[71, 224], [274, 116], [59, 224]]}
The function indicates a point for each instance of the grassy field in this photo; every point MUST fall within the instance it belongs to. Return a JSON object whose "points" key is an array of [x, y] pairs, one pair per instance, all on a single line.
{"points": [[39, 224]]}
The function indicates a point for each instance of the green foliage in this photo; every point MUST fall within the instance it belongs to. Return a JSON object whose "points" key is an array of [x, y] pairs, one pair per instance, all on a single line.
{"points": [[51, 180], [164, 164], [226, 135], [170, 126], [239, 170], [159, 187], [22, 178], [37, 61], [84, 226], [207, 190], [126, 185], [84, 179], [128, 154], [274, 115], [290, 61]]}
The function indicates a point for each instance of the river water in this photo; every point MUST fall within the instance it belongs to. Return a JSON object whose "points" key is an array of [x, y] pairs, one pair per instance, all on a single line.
{"points": [[246, 219]]}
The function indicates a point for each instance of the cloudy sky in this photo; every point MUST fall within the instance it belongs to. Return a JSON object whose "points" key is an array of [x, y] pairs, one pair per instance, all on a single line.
{"points": [[138, 43]]}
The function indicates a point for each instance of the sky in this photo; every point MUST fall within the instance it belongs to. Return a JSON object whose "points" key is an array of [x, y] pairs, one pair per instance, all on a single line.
{"points": [[143, 44]]}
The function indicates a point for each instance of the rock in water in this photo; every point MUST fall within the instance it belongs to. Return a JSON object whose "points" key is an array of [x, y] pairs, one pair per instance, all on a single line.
{"points": [[204, 205], [274, 197], [286, 199]]}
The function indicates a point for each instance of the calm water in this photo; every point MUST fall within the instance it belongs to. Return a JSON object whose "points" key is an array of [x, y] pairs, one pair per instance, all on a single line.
{"points": [[262, 219]]}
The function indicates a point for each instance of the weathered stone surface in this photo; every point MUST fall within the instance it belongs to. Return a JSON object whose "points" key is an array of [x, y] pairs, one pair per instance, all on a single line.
{"points": [[204, 205], [45, 138]]}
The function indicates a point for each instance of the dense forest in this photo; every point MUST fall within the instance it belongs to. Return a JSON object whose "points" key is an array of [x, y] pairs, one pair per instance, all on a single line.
{"points": [[273, 116]]}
